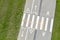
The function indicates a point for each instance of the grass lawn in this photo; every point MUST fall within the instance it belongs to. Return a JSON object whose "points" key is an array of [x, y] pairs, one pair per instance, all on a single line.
{"points": [[11, 12]]}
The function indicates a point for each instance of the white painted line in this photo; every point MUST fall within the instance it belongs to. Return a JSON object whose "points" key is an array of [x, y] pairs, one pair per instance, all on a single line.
{"points": [[23, 19], [51, 26], [37, 21], [46, 24], [43, 34], [26, 35], [42, 23], [32, 5], [32, 21], [28, 20]]}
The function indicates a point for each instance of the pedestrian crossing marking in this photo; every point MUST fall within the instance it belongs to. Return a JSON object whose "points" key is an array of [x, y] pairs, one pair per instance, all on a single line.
{"points": [[46, 24], [51, 26], [27, 23], [23, 20], [32, 21], [42, 23], [37, 20]]}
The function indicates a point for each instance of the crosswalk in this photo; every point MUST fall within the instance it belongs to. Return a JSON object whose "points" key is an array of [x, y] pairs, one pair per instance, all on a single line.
{"points": [[43, 21]]}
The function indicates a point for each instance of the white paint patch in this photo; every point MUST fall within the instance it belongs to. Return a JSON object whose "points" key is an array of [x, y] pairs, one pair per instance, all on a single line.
{"points": [[42, 23], [48, 13], [43, 34], [46, 24], [22, 34], [23, 19], [27, 10], [27, 23], [35, 7], [51, 26], [32, 21], [37, 21]]}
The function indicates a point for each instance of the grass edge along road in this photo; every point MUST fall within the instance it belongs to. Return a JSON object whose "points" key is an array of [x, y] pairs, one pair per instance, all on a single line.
{"points": [[56, 27]]}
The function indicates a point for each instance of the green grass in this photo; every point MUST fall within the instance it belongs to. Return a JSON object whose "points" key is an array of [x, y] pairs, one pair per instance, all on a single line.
{"points": [[11, 12]]}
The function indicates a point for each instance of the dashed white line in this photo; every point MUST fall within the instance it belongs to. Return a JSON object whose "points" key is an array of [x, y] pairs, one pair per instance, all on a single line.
{"points": [[42, 23], [37, 20], [32, 21], [46, 24], [28, 20], [51, 26], [23, 19]]}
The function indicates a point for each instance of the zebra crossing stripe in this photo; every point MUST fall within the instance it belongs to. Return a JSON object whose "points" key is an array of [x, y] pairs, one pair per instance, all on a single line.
{"points": [[42, 22], [46, 24], [37, 20], [23, 19], [51, 26], [28, 20], [32, 21]]}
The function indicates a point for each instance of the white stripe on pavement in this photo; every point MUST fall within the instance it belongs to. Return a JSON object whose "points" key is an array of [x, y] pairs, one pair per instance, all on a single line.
{"points": [[42, 23], [37, 21], [27, 23], [23, 19], [32, 21], [46, 24], [51, 26]]}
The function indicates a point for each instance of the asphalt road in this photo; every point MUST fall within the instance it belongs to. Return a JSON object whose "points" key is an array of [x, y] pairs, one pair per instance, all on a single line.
{"points": [[37, 21]]}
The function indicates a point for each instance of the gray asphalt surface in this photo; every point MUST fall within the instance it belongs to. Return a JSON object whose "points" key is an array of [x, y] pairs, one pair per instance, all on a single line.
{"points": [[37, 21]]}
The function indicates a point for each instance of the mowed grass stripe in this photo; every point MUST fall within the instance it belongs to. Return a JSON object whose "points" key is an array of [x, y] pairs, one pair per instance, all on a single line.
{"points": [[10, 22]]}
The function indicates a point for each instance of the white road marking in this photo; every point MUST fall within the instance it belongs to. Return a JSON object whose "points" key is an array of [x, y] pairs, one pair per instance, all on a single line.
{"points": [[27, 10], [46, 24], [35, 7], [31, 31], [32, 5], [51, 26], [37, 20], [28, 20], [42, 23], [26, 35], [48, 13], [32, 21], [43, 34], [23, 19]]}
